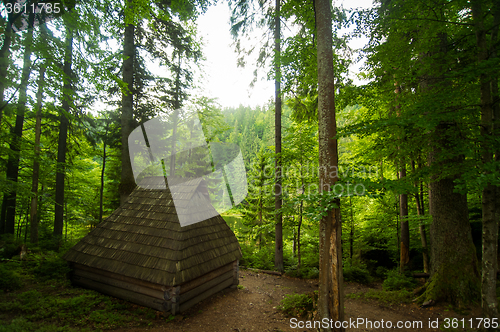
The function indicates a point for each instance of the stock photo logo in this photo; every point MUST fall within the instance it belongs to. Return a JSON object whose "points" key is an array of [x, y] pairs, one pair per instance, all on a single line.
{"points": [[204, 178], [23, 14]]}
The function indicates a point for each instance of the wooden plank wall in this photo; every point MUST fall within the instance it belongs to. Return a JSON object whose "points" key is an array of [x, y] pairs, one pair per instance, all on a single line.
{"points": [[174, 299]]}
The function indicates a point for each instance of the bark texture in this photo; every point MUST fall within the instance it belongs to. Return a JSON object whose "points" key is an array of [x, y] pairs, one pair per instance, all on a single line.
{"points": [[127, 183], [36, 164], [63, 135], [454, 266], [331, 296], [405, 230], [8, 212], [278, 229], [489, 300], [4, 64]]}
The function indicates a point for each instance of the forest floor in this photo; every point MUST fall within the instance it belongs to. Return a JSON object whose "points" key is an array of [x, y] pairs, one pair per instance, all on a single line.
{"points": [[252, 307]]}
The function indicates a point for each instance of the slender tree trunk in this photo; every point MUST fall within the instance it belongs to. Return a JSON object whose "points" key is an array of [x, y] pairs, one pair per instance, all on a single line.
{"points": [[496, 105], [8, 212], [101, 190], [405, 229], [404, 258], [127, 183], [36, 164], [260, 221], [278, 240], [299, 226], [351, 235], [331, 295], [63, 135], [489, 300], [420, 212], [177, 105], [4, 65]]}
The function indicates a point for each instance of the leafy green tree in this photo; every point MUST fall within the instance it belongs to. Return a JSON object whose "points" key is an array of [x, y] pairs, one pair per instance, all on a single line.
{"points": [[67, 100], [8, 212], [485, 20], [258, 210], [424, 52]]}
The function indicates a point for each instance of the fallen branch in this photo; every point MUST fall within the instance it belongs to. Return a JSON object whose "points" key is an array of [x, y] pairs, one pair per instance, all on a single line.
{"points": [[276, 273]]}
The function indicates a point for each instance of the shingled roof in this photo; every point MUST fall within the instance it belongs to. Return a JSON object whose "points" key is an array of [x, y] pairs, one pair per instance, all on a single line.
{"points": [[143, 239]]}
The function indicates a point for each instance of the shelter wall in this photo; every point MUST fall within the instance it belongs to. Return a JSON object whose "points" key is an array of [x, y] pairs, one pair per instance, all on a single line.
{"points": [[172, 299]]}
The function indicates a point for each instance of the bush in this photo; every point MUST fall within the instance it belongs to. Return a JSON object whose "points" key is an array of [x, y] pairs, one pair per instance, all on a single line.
{"points": [[381, 271], [396, 281], [297, 305], [9, 280], [50, 266], [357, 273], [9, 246], [258, 259], [310, 272]]}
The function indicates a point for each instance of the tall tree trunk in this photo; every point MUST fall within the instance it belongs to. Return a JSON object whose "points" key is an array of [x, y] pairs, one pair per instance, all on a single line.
{"points": [[4, 64], [405, 229], [127, 183], [101, 190], [331, 294], [454, 269], [278, 238], [404, 258], [489, 300], [351, 235], [36, 164], [63, 135], [177, 105], [299, 226], [8, 212], [420, 212]]}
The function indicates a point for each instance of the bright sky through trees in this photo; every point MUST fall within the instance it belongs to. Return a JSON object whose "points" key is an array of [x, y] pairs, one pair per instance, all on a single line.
{"points": [[223, 79]]}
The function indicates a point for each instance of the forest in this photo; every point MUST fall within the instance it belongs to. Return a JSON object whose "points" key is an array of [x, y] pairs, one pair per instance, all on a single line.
{"points": [[392, 180]]}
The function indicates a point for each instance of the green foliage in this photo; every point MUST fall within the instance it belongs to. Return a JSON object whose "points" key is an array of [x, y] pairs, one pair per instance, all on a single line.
{"points": [[384, 296], [9, 246], [356, 273], [50, 266], [10, 280], [21, 324], [311, 273], [258, 259], [396, 281], [298, 305], [56, 306], [258, 213]]}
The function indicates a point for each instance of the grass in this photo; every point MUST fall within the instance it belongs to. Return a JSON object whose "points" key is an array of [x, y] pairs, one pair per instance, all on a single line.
{"points": [[46, 301], [297, 305], [385, 297]]}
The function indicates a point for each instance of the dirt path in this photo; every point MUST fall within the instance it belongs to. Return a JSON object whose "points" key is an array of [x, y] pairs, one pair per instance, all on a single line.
{"points": [[253, 308]]}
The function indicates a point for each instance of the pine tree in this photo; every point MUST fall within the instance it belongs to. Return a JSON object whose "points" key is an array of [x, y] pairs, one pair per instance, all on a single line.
{"points": [[258, 213]]}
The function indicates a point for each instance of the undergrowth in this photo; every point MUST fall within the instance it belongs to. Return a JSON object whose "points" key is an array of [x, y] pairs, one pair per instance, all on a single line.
{"points": [[396, 281], [36, 295], [356, 273], [298, 305], [385, 297]]}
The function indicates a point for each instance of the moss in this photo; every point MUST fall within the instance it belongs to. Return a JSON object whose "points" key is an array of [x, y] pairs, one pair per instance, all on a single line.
{"points": [[457, 285]]}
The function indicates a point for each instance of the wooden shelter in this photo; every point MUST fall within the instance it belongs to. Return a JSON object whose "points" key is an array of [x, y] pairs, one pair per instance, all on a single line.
{"points": [[140, 253]]}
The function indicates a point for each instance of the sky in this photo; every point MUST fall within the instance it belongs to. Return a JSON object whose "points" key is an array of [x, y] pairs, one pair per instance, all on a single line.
{"points": [[222, 78]]}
